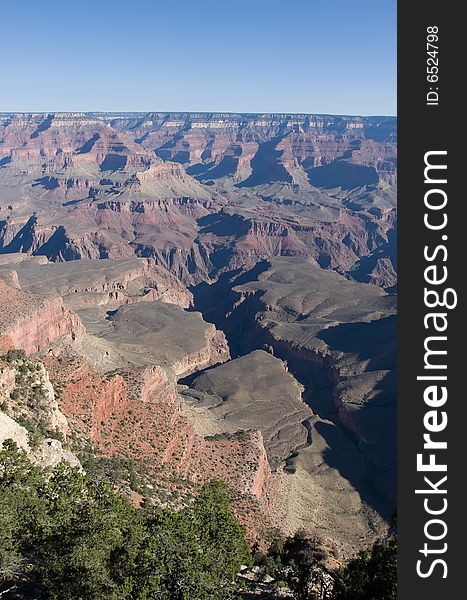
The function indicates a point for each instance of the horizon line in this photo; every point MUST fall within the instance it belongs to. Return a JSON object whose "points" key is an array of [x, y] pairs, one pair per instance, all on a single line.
{"points": [[190, 112]]}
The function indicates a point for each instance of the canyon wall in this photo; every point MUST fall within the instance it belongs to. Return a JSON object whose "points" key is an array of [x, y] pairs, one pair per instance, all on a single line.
{"points": [[201, 193]]}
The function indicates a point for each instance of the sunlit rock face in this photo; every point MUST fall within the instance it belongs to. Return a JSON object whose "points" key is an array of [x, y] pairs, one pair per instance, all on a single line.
{"points": [[202, 193]]}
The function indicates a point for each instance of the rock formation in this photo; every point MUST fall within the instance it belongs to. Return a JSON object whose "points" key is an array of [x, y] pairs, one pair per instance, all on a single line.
{"points": [[237, 395], [31, 322], [337, 337], [213, 297], [29, 412], [85, 283], [202, 194]]}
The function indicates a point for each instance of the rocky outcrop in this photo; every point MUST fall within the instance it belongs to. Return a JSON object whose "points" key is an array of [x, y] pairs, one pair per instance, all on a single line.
{"points": [[137, 414], [48, 453], [29, 412], [109, 283], [33, 323], [26, 392], [154, 333], [237, 395]]}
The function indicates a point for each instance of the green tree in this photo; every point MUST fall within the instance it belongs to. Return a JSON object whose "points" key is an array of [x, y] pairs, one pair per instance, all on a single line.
{"points": [[195, 553], [87, 543], [20, 503], [169, 564], [222, 538], [64, 536], [372, 575], [309, 581]]}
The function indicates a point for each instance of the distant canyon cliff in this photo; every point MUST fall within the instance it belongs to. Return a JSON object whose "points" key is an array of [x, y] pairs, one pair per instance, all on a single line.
{"points": [[202, 193]]}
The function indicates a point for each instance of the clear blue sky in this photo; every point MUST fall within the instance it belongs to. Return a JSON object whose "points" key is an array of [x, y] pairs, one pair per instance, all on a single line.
{"points": [[318, 56]]}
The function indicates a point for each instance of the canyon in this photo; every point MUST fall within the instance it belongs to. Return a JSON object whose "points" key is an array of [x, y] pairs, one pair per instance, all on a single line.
{"points": [[202, 194], [213, 296]]}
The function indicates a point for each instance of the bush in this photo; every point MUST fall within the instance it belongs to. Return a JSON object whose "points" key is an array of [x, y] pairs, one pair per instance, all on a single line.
{"points": [[14, 355], [65, 536], [372, 575]]}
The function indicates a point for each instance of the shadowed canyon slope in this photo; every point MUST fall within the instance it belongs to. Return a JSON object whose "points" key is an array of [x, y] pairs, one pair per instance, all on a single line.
{"points": [[212, 296], [338, 339]]}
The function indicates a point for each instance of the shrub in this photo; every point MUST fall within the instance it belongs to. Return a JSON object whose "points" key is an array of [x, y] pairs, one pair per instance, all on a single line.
{"points": [[65, 536]]}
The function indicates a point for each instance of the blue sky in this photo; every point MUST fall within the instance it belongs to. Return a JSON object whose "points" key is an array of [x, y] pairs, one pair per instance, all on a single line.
{"points": [[327, 56]]}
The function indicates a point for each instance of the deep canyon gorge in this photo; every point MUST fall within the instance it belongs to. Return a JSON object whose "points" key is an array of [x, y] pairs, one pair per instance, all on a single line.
{"points": [[209, 296]]}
